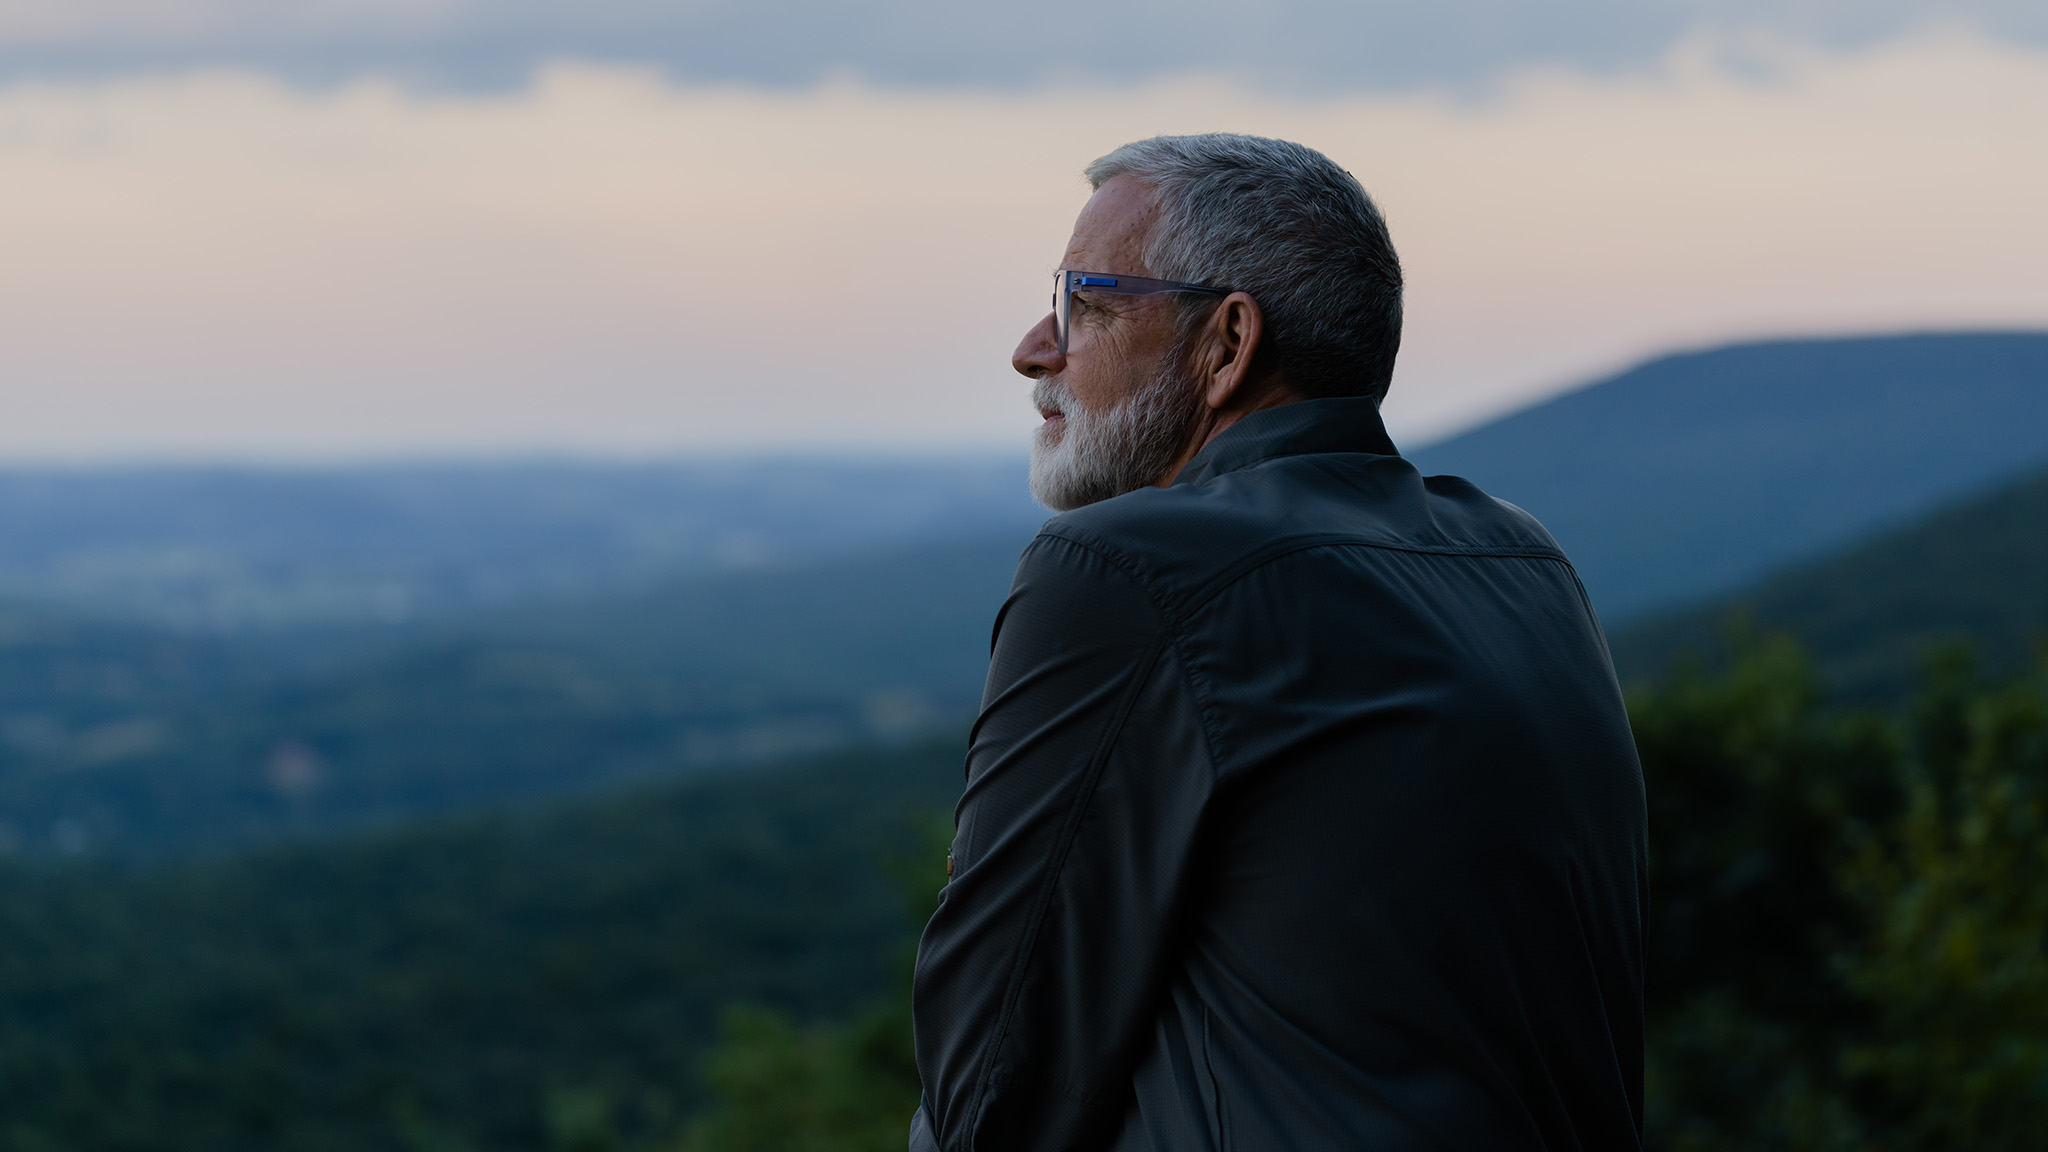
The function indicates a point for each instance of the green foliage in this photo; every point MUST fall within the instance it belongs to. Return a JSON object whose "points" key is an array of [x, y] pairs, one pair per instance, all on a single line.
{"points": [[776, 1087], [548, 978], [848, 1087], [1955, 962], [1849, 922]]}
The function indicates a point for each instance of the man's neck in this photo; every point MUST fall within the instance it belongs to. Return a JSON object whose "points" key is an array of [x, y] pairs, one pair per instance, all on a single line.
{"points": [[1215, 421]]}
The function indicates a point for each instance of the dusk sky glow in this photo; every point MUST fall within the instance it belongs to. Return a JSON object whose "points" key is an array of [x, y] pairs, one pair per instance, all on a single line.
{"points": [[213, 259]]}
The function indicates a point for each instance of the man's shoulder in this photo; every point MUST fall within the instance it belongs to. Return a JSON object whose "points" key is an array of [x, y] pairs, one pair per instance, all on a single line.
{"points": [[1180, 538], [1164, 532]]}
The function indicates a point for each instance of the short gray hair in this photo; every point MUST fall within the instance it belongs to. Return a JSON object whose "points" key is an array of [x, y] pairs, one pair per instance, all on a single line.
{"points": [[1286, 225]]}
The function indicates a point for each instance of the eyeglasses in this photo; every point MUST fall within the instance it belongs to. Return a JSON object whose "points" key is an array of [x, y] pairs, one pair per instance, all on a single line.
{"points": [[1065, 283]]}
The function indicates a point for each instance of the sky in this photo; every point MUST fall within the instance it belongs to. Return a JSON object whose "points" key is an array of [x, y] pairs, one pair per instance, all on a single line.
{"points": [[401, 228]]}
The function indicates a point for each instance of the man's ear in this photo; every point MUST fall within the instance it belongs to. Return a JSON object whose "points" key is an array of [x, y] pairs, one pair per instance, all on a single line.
{"points": [[1231, 341]]}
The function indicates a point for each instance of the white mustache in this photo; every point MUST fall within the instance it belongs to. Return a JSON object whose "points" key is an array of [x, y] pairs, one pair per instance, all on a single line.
{"points": [[1049, 395]]}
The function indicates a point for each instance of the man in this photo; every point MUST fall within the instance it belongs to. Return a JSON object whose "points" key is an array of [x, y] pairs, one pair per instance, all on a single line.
{"points": [[1302, 811]]}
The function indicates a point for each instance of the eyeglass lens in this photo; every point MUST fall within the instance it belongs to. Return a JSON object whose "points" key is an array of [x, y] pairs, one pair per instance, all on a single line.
{"points": [[1062, 307]]}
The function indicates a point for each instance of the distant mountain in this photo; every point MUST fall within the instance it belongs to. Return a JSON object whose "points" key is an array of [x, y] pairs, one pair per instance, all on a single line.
{"points": [[130, 740], [1976, 572], [1694, 473], [242, 549]]}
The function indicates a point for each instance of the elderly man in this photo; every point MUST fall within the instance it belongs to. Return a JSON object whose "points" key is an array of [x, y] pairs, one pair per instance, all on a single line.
{"points": [[1302, 811]]}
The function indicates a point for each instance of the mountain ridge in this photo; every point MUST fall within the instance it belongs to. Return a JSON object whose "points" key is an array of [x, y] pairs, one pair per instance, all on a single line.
{"points": [[1703, 470], [1973, 573]]}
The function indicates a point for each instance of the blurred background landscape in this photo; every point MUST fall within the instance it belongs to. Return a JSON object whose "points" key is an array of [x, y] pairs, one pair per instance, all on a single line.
{"points": [[502, 509]]}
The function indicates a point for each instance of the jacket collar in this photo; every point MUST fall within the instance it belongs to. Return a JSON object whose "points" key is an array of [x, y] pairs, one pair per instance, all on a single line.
{"points": [[1339, 424]]}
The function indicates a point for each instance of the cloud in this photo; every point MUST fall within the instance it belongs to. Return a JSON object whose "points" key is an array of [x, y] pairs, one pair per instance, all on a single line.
{"points": [[217, 263], [1293, 45]]}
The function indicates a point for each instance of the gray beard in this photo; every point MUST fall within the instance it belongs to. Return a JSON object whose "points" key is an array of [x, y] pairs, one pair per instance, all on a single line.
{"points": [[1098, 455]]}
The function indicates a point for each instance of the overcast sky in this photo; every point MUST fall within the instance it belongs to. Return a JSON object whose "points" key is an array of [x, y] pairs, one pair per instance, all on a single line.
{"points": [[1316, 45], [237, 229]]}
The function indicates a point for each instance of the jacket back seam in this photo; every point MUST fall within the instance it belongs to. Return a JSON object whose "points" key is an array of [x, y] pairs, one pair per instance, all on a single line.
{"points": [[1084, 794], [1201, 694]]}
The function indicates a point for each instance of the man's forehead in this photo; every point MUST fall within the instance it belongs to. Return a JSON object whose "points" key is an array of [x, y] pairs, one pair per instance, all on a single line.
{"points": [[1110, 234]]}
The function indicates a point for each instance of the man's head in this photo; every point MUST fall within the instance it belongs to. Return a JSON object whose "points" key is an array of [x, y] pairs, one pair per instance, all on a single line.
{"points": [[1313, 307]]}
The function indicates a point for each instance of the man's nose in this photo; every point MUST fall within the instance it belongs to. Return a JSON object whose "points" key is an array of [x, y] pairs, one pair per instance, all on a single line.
{"points": [[1039, 354]]}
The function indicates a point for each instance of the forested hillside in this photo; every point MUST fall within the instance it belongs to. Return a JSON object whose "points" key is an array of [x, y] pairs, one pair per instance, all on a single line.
{"points": [[1975, 575], [477, 983]]}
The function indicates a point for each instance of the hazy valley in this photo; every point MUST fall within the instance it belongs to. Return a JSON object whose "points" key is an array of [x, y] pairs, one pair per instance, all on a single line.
{"points": [[393, 807]]}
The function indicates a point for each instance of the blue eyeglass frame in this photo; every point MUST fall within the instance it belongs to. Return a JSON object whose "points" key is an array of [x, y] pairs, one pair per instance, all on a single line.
{"points": [[1066, 282]]}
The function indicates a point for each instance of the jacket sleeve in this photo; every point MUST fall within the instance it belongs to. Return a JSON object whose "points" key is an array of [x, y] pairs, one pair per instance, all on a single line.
{"points": [[1039, 977]]}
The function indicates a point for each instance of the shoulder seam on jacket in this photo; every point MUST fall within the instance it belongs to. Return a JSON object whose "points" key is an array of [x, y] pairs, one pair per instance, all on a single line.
{"points": [[1216, 585], [1177, 609], [1124, 562]]}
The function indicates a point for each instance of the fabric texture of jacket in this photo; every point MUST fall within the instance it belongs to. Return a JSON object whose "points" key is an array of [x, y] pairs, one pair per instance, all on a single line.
{"points": [[1302, 812]]}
